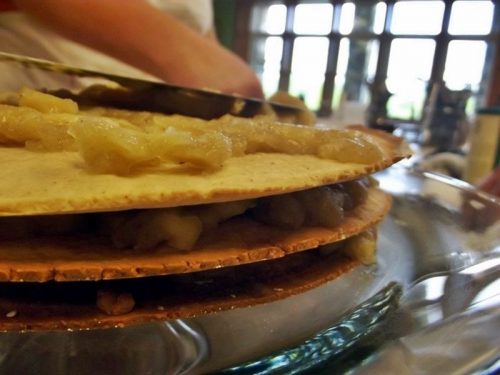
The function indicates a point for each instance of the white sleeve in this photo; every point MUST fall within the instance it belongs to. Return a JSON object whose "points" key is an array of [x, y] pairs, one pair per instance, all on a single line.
{"points": [[198, 14]]}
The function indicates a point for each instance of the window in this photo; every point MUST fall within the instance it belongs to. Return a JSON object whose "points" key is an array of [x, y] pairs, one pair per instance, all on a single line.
{"points": [[327, 52], [408, 84], [417, 17], [308, 69]]}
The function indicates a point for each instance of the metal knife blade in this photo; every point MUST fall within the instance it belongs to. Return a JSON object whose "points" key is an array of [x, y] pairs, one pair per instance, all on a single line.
{"points": [[153, 96]]}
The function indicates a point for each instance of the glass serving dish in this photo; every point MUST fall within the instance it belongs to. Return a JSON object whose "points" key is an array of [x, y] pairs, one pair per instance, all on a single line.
{"points": [[437, 230]]}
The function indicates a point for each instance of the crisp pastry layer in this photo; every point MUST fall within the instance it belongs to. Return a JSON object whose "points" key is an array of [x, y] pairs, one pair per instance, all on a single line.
{"points": [[37, 183], [81, 305], [236, 241]]}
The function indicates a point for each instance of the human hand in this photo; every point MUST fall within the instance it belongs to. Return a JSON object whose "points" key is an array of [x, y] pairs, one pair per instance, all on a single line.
{"points": [[491, 184], [153, 41], [478, 212], [208, 65]]}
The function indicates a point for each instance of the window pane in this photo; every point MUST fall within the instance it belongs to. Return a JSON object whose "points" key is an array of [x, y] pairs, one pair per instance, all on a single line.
{"points": [[272, 59], [265, 59], [372, 57], [308, 69], [257, 51], [379, 18], [313, 19], [464, 64], [343, 58], [363, 17], [356, 66], [410, 59], [347, 18], [269, 19], [462, 21], [417, 17], [309, 55], [410, 64], [342, 63]]}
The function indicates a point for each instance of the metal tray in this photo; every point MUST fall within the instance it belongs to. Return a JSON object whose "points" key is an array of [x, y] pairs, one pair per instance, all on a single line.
{"points": [[438, 228]]}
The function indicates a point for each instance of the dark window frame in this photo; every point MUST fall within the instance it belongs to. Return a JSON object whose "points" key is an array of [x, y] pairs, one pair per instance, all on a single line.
{"points": [[244, 35]]}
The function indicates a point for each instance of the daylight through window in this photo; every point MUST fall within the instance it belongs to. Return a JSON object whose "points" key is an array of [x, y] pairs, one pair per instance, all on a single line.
{"points": [[330, 52]]}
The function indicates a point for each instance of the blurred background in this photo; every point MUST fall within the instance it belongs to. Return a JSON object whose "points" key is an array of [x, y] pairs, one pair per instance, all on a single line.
{"points": [[381, 63]]}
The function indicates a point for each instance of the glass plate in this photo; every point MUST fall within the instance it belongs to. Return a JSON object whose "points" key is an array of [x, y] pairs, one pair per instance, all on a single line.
{"points": [[440, 249]]}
